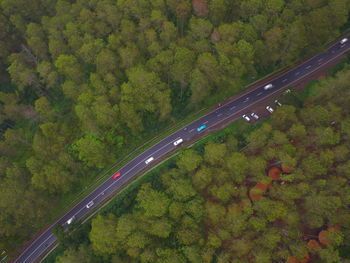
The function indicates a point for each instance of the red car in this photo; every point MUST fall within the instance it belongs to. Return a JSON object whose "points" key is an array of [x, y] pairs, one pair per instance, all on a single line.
{"points": [[116, 175]]}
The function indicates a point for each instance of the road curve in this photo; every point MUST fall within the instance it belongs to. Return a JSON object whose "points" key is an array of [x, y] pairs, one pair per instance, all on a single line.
{"points": [[40, 245]]}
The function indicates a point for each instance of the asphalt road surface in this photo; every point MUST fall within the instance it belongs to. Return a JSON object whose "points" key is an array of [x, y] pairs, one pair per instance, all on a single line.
{"points": [[41, 244]]}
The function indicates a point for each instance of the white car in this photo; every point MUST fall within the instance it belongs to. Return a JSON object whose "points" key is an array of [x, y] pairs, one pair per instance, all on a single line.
{"points": [[177, 142], [246, 117], [343, 41], [278, 103], [269, 109], [254, 115], [268, 86], [90, 204], [149, 160], [70, 220]]}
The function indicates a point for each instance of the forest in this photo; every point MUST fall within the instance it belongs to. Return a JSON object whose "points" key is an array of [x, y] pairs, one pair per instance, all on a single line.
{"points": [[84, 81], [280, 193]]}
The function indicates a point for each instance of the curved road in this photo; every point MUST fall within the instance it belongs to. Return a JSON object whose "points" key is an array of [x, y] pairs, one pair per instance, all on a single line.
{"points": [[41, 244]]}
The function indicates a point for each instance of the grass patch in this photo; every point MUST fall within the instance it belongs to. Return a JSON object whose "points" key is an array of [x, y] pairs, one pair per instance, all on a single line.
{"points": [[310, 90], [339, 67], [51, 258], [235, 128], [344, 252]]}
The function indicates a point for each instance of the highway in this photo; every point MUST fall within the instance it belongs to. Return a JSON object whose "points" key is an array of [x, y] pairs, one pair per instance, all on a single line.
{"points": [[40, 245]]}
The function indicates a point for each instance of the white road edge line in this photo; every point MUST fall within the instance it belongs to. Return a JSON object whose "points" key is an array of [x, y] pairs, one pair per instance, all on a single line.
{"points": [[37, 248], [308, 73], [285, 73], [161, 148], [224, 119], [125, 174]]}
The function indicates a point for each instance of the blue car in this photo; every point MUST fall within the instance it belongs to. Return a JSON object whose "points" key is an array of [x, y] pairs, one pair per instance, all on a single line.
{"points": [[201, 128]]}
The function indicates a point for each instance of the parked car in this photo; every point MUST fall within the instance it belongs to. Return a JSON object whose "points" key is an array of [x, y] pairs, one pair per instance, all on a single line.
{"points": [[115, 176], [90, 204], [149, 160], [269, 109], [278, 103], [201, 128], [343, 41], [246, 117], [254, 115], [177, 142], [268, 86]]}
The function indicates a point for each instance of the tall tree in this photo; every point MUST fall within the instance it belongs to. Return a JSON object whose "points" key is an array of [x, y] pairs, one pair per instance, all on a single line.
{"points": [[103, 235], [155, 99]]}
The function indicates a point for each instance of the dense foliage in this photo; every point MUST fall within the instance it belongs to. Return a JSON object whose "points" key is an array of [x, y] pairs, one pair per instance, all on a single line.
{"points": [[82, 80], [283, 197]]}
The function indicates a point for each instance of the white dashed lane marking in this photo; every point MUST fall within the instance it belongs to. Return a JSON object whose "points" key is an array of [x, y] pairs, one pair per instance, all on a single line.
{"points": [[37, 248]]}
